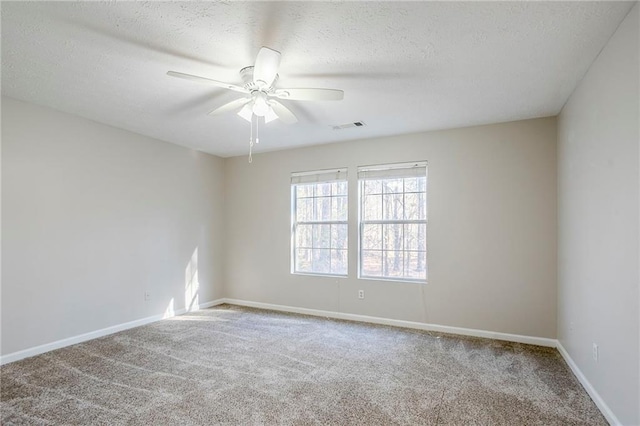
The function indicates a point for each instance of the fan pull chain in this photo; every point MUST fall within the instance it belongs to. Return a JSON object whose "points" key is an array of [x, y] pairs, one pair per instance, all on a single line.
{"points": [[251, 142], [257, 130]]}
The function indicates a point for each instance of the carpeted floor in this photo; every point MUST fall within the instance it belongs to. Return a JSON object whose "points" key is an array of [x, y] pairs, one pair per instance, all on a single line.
{"points": [[234, 365]]}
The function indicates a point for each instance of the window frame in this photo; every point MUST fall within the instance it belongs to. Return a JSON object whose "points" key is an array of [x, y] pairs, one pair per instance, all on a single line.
{"points": [[343, 177], [382, 222]]}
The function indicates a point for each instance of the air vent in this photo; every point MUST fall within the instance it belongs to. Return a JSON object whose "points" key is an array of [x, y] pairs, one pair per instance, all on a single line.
{"points": [[349, 125]]}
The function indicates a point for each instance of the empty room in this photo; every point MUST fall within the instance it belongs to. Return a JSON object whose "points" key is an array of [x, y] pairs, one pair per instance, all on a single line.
{"points": [[320, 213]]}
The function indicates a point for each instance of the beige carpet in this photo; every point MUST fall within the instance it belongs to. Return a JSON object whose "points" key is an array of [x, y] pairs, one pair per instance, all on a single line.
{"points": [[234, 365]]}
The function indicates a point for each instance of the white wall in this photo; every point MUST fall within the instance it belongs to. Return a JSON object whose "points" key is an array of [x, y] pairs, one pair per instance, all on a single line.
{"points": [[598, 220], [94, 216], [491, 231]]}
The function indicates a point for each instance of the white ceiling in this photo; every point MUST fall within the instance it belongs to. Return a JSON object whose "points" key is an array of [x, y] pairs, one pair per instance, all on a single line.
{"points": [[404, 67]]}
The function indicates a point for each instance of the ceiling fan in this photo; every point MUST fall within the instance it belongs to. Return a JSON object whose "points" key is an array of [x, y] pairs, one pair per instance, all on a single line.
{"points": [[260, 87]]}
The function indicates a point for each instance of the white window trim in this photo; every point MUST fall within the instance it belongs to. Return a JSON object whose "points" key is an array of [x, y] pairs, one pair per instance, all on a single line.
{"points": [[320, 176], [389, 171]]}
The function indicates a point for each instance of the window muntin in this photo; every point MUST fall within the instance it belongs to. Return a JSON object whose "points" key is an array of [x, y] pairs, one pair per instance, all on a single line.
{"points": [[393, 222], [319, 224]]}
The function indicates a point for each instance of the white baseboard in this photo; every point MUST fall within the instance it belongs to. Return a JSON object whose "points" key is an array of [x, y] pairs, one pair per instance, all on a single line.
{"points": [[604, 408], [37, 350], [540, 341], [212, 303]]}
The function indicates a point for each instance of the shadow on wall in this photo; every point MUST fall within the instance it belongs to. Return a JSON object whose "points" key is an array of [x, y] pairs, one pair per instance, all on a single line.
{"points": [[191, 284]]}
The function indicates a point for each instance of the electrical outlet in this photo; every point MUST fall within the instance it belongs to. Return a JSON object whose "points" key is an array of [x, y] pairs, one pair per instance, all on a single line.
{"points": [[147, 296], [595, 352], [360, 294]]}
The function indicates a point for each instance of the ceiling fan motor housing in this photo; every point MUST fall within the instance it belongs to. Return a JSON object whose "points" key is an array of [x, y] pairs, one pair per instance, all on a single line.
{"points": [[246, 74]]}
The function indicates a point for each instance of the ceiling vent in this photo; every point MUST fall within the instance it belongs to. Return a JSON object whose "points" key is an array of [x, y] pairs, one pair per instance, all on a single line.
{"points": [[349, 125]]}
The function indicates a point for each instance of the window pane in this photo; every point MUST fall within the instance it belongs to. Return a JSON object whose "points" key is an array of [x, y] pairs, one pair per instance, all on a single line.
{"points": [[303, 260], [422, 184], [304, 191], [372, 237], [304, 209], [393, 263], [321, 236], [413, 210], [415, 265], [339, 208], [393, 236], [410, 184], [323, 208], [323, 189], [393, 208], [339, 262], [372, 207], [415, 236], [304, 237], [339, 236], [392, 186], [321, 262], [339, 188], [371, 263], [372, 187], [423, 206]]}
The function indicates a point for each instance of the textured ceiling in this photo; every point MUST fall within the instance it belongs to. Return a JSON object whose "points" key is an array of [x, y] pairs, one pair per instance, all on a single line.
{"points": [[404, 67]]}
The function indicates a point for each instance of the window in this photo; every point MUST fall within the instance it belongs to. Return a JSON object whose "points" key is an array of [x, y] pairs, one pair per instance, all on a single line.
{"points": [[393, 222], [319, 222]]}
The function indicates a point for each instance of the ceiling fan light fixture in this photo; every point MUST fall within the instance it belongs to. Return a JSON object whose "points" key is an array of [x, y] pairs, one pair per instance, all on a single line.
{"points": [[270, 116], [260, 105], [246, 112]]}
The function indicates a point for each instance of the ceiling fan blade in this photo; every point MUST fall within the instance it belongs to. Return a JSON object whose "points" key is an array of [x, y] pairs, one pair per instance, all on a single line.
{"points": [[266, 67], [283, 112], [309, 94], [233, 105], [208, 81]]}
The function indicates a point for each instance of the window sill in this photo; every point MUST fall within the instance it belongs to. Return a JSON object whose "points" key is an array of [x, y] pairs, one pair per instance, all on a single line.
{"points": [[395, 280], [311, 274]]}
